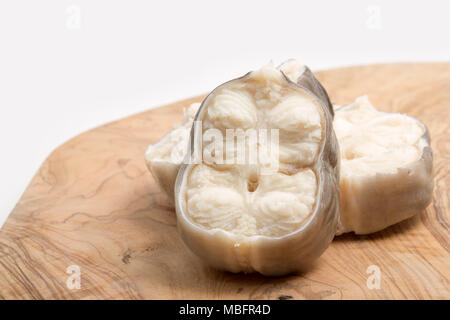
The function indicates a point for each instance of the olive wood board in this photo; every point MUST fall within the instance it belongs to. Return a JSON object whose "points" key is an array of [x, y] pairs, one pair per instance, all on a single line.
{"points": [[93, 204]]}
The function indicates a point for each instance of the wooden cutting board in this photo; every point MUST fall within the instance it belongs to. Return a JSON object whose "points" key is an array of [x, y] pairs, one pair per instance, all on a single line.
{"points": [[94, 205]]}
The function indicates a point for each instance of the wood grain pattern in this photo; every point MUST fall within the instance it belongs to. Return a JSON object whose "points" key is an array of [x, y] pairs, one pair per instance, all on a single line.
{"points": [[93, 204]]}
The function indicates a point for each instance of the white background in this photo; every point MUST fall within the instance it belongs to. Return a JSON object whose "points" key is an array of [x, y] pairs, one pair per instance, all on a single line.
{"points": [[68, 66]]}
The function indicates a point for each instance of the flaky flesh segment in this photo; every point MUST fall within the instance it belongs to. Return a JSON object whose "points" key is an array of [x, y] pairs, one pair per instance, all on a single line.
{"points": [[237, 198], [221, 199], [386, 167], [164, 158], [240, 216], [376, 142], [173, 148]]}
